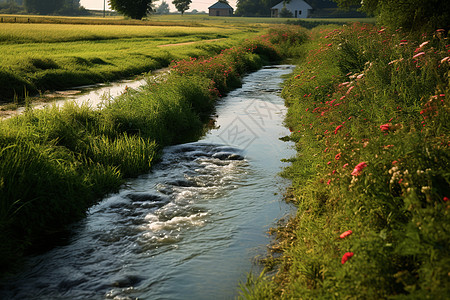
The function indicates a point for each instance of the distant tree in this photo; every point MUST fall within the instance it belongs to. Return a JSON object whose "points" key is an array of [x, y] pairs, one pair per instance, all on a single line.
{"points": [[163, 8], [254, 7], [135, 9], [182, 5], [285, 13], [224, 1], [44, 7], [11, 6], [409, 14]]}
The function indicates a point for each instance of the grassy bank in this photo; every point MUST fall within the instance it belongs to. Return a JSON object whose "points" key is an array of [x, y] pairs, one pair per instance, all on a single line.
{"points": [[56, 162], [369, 112], [36, 57]]}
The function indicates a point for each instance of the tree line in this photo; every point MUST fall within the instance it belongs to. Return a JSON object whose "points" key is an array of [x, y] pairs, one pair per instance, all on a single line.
{"points": [[43, 7]]}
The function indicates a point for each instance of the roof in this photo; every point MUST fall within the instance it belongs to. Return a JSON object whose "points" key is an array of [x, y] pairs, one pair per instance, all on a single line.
{"points": [[293, 5], [219, 5]]}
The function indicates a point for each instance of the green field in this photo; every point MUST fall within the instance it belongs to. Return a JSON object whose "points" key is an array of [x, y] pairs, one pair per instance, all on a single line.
{"points": [[40, 53], [41, 56]]}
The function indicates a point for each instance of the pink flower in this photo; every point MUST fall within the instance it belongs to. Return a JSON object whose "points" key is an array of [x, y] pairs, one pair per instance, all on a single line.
{"points": [[346, 234], [346, 256], [418, 54], [338, 156], [337, 128], [344, 166], [350, 89], [358, 168], [329, 181], [385, 127]]}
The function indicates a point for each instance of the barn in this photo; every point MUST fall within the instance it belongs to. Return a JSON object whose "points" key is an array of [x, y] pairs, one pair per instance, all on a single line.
{"points": [[220, 9], [298, 8]]}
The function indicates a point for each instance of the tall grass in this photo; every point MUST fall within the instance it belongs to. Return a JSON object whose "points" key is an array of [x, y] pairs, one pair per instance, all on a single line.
{"points": [[56, 162], [369, 111]]}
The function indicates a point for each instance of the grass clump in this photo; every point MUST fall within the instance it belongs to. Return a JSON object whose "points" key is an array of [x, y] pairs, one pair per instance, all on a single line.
{"points": [[369, 111]]}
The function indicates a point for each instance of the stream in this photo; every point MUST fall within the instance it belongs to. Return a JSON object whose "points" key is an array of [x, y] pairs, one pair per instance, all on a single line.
{"points": [[192, 227]]}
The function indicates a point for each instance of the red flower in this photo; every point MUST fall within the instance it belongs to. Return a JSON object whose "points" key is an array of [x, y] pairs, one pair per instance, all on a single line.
{"points": [[338, 156], [346, 256], [385, 127], [445, 199], [337, 128], [346, 234], [345, 166], [358, 168]]}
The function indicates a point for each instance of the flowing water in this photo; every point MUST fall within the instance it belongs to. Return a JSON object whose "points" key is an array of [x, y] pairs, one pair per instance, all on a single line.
{"points": [[192, 227]]}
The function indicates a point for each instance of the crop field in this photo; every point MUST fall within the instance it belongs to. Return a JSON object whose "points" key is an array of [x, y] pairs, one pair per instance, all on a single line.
{"points": [[36, 57]]}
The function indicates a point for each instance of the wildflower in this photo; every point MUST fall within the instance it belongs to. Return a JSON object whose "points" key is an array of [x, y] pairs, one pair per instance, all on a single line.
{"points": [[445, 59], [346, 234], [337, 128], [358, 169], [394, 162], [329, 181], [338, 156], [346, 256], [345, 166], [418, 54], [350, 89], [423, 44], [385, 127], [445, 199]]}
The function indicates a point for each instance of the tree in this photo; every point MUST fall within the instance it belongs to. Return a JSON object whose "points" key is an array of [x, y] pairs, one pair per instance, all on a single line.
{"points": [[43, 6], [409, 14], [163, 9], [46, 7], [182, 5], [255, 7], [285, 13], [135, 9]]}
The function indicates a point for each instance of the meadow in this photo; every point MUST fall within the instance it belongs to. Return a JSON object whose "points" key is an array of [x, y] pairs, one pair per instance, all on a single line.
{"points": [[369, 113], [36, 57]]}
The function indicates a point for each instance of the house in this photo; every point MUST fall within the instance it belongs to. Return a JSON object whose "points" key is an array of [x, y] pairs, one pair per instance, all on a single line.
{"points": [[220, 9], [298, 8]]}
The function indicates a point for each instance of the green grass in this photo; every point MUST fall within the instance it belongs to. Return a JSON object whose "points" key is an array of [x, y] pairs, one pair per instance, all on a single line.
{"points": [[377, 99], [40, 57], [58, 161]]}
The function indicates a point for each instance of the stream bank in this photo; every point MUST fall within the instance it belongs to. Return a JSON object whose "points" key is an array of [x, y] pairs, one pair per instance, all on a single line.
{"points": [[191, 227]]}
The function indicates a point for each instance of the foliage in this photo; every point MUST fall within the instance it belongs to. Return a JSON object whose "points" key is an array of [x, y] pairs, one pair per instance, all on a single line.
{"points": [[135, 9], [52, 6], [368, 111], [285, 13], [163, 8], [254, 7], [409, 14], [182, 5]]}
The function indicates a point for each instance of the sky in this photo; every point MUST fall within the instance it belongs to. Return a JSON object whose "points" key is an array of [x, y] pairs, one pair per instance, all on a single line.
{"points": [[200, 5]]}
